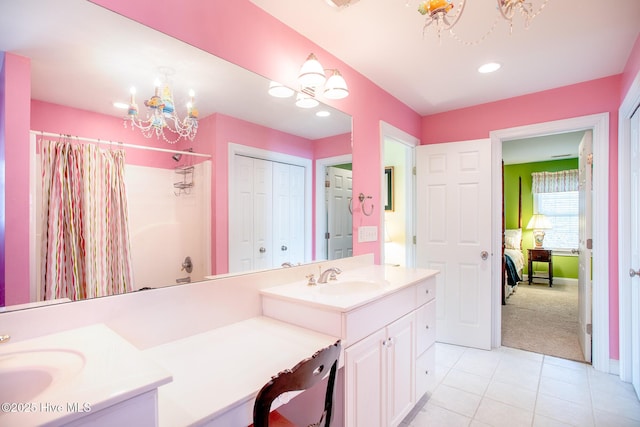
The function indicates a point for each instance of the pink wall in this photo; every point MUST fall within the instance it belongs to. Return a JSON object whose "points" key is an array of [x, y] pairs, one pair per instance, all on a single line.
{"points": [[597, 96], [242, 33], [631, 69], [17, 90]]}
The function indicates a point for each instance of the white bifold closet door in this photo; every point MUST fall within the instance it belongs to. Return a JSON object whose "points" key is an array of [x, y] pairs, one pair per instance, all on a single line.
{"points": [[266, 221]]}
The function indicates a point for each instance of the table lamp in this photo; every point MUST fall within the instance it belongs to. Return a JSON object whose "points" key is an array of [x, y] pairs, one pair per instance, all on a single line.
{"points": [[538, 223]]}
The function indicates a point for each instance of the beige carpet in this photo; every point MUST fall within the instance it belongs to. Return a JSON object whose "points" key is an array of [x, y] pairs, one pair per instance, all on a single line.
{"points": [[543, 320]]}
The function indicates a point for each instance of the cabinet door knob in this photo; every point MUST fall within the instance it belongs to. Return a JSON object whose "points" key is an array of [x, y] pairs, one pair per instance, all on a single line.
{"points": [[427, 327], [262, 250]]}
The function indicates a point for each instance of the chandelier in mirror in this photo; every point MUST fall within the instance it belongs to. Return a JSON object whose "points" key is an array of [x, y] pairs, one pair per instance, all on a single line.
{"points": [[161, 118], [445, 14]]}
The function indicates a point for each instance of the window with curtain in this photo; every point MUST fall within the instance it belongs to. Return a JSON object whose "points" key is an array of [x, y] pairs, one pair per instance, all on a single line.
{"points": [[555, 195]]}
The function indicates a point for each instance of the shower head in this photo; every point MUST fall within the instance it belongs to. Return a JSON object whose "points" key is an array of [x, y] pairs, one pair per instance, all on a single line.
{"points": [[177, 157]]}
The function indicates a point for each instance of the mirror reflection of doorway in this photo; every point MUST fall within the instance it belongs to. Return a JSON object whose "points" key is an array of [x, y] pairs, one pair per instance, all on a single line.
{"points": [[338, 193]]}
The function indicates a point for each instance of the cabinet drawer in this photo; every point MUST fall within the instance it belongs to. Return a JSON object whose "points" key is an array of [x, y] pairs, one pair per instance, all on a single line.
{"points": [[426, 372], [540, 255], [425, 327], [425, 291]]}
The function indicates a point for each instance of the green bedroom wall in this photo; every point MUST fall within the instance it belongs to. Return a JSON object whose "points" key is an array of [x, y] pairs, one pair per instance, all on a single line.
{"points": [[563, 266]]}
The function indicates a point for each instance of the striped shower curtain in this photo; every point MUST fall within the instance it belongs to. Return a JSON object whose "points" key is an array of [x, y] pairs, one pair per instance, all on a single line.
{"points": [[85, 235]]}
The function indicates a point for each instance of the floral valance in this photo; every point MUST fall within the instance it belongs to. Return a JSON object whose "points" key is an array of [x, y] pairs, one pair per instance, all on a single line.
{"points": [[555, 182]]}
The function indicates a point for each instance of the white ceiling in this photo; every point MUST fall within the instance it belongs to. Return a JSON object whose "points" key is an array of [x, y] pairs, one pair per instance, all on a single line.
{"points": [[80, 60], [87, 57], [570, 41]]}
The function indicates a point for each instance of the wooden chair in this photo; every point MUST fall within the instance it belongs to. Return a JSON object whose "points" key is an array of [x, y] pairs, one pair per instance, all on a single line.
{"points": [[301, 377]]}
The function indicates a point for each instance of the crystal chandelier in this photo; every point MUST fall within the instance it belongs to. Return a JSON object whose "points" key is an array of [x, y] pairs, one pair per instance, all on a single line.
{"points": [[444, 14], [161, 118]]}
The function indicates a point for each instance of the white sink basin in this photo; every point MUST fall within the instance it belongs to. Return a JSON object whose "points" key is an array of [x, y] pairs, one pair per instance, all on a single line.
{"points": [[26, 374], [351, 287]]}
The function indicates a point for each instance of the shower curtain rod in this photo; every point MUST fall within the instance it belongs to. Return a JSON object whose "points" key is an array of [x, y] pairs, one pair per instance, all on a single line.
{"points": [[120, 144]]}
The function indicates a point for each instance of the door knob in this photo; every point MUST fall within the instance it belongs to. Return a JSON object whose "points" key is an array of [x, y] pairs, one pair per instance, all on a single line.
{"points": [[484, 255], [633, 272]]}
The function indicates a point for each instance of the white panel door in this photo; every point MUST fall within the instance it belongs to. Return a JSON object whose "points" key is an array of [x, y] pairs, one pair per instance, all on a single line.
{"points": [[635, 250], [295, 244], [262, 214], [584, 244], [241, 227], [453, 235], [281, 214], [364, 394], [339, 220]]}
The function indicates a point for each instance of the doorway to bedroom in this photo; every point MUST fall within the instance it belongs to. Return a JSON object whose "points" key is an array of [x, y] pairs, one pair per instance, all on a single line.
{"points": [[541, 221]]}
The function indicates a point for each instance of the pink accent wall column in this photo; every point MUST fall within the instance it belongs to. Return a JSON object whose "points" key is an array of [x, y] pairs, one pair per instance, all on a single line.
{"points": [[17, 93], [596, 96]]}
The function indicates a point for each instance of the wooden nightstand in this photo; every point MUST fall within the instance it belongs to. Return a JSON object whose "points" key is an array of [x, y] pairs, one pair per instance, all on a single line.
{"points": [[540, 255]]}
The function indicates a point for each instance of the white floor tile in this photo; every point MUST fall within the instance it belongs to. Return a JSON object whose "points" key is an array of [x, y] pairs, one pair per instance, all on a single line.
{"points": [[520, 373], [571, 364], [607, 419], [542, 421], [447, 354], [509, 387], [479, 362], [565, 374], [436, 416], [499, 414], [562, 410], [566, 391], [455, 400], [512, 395], [617, 404], [465, 381]]}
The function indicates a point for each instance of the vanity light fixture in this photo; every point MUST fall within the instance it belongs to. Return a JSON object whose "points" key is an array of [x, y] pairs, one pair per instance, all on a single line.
{"points": [[312, 79], [305, 101], [278, 90], [161, 118]]}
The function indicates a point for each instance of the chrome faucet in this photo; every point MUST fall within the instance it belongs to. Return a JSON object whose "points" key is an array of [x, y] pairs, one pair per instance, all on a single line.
{"points": [[330, 274], [4, 338]]}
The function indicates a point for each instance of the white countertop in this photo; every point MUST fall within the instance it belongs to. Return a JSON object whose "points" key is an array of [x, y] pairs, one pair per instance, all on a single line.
{"points": [[392, 278], [216, 374], [91, 366]]}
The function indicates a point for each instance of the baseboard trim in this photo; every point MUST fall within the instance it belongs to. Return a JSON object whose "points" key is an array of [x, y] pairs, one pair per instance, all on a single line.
{"points": [[558, 280]]}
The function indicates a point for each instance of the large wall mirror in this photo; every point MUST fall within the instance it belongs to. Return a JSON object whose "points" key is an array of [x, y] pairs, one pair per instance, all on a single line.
{"points": [[200, 199]]}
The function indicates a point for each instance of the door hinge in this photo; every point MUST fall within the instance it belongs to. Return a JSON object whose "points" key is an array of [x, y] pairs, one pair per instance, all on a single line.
{"points": [[414, 240], [327, 184], [589, 328], [327, 235], [414, 170], [589, 243], [590, 159]]}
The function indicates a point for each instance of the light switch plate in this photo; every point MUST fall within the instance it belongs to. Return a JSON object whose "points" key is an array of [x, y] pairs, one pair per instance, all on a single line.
{"points": [[368, 233]]}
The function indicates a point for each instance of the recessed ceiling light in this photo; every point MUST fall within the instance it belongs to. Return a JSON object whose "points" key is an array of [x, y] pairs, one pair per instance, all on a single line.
{"points": [[489, 67], [121, 105], [323, 113]]}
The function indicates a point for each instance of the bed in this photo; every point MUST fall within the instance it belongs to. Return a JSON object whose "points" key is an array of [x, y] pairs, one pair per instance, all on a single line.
{"points": [[514, 260], [512, 256]]}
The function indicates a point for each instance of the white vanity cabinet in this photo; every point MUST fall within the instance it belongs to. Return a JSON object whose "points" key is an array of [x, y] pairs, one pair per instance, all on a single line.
{"points": [[380, 376], [388, 342]]}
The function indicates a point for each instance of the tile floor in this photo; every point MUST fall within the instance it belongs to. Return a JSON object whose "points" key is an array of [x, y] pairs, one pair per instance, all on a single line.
{"points": [[510, 387]]}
